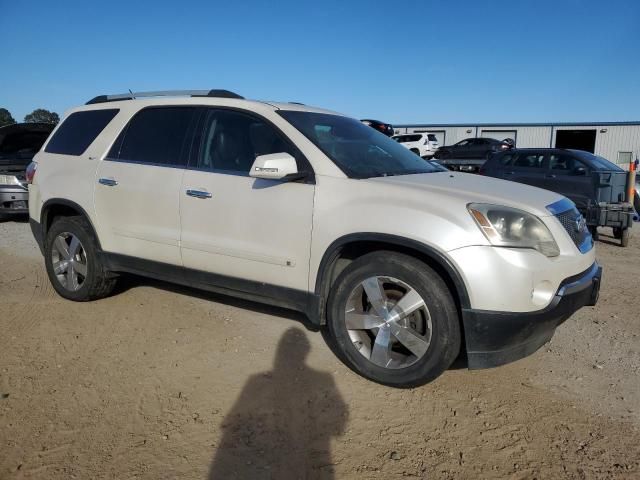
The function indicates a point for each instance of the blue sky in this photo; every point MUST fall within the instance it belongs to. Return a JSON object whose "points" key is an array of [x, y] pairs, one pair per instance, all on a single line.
{"points": [[414, 61]]}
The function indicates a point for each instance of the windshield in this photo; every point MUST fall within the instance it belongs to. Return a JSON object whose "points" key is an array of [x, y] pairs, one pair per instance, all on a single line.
{"points": [[596, 161], [359, 151]]}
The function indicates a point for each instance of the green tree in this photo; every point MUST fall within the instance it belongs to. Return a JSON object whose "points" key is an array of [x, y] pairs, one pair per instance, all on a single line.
{"points": [[5, 117], [41, 115]]}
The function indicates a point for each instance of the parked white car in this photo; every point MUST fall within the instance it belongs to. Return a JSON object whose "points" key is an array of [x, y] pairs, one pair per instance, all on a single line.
{"points": [[422, 144], [401, 265]]}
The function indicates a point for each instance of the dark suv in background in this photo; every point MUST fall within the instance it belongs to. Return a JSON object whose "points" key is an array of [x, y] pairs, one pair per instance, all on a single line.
{"points": [[18, 144], [597, 186]]}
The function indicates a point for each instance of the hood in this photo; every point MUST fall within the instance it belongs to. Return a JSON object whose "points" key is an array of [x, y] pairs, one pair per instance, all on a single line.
{"points": [[21, 141], [455, 187]]}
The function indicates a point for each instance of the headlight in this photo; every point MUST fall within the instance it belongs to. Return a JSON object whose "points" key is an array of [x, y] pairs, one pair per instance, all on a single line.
{"points": [[510, 227], [9, 180]]}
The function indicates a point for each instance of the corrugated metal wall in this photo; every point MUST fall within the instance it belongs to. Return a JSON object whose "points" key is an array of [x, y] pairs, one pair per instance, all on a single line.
{"points": [[452, 134], [616, 138]]}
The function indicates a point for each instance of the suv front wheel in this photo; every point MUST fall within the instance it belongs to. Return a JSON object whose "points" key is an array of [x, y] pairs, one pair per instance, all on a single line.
{"points": [[393, 320], [73, 265]]}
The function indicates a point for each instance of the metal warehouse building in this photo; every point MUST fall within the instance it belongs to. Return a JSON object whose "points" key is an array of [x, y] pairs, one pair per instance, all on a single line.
{"points": [[618, 142]]}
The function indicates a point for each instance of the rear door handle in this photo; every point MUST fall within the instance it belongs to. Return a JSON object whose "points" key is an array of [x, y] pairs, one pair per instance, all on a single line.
{"points": [[109, 182], [549, 176], [509, 173], [198, 193]]}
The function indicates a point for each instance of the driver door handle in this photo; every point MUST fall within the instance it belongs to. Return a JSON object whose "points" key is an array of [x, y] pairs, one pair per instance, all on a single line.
{"points": [[108, 181], [198, 193]]}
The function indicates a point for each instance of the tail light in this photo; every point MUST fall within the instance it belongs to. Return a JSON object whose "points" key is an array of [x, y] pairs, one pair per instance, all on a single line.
{"points": [[31, 171]]}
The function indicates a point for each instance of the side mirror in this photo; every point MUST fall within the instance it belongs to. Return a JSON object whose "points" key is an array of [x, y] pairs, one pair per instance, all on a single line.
{"points": [[275, 166], [579, 171]]}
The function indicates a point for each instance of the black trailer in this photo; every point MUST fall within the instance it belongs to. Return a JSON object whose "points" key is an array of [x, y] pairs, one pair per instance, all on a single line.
{"points": [[597, 186]]}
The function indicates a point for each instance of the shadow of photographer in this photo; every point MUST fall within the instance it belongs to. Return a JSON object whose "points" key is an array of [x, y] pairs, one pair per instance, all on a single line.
{"points": [[282, 423]]}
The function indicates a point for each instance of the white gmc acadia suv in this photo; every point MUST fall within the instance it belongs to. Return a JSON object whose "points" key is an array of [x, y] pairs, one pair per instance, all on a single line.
{"points": [[404, 267], [422, 144]]}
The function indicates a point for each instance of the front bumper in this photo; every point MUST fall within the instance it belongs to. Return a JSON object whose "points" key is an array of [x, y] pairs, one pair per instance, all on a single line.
{"points": [[13, 200], [496, 338]]}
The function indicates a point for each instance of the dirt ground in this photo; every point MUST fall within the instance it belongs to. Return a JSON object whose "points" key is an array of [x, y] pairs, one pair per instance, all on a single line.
{"points": [[163, 382]]}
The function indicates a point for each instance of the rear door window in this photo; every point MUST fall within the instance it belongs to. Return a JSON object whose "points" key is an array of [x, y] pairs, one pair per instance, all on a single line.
{"points": [[157, 136], [412, 138], [79, 130], [432, 137], [529, 160], [505, 160]]}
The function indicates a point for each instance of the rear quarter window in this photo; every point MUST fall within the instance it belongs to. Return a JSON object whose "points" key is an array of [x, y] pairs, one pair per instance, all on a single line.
{"points": [[79, 130]]}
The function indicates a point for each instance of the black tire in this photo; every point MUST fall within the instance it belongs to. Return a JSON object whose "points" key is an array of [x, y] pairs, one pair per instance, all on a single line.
{"points": [[617, 232], [594, 233], [415, 150], [445, 335], [98, 282], [624, 237]]}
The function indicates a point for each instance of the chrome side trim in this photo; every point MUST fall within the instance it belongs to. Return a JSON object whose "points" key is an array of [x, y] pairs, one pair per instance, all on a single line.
{"points": [[237, 253], [561, 206], [586, 245], [582, 283], [146, 236]]}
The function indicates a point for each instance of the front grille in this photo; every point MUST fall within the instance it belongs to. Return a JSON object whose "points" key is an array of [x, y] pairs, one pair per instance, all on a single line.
{"points": [[576, 227]]}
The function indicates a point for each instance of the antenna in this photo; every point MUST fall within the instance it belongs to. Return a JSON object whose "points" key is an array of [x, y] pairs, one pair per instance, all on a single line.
{"points": [[132, 95]]}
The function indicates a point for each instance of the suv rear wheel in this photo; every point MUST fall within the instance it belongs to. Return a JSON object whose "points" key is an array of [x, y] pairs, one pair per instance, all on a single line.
{"points": [[73, 265], [392, 320]]}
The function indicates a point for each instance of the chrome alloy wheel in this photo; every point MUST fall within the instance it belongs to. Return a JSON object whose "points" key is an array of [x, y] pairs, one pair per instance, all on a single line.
{"points": [[69, 261], [388, 322]]}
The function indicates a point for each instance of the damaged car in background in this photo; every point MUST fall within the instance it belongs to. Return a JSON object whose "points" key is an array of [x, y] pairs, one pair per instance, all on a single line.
{"points": [[18, 144]]}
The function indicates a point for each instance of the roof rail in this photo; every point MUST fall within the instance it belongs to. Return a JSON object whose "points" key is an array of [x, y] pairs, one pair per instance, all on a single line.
{"points": [[166, 93]]}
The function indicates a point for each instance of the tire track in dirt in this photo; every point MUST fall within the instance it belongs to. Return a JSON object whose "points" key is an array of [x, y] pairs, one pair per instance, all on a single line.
{"points": [[28, 296]]}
